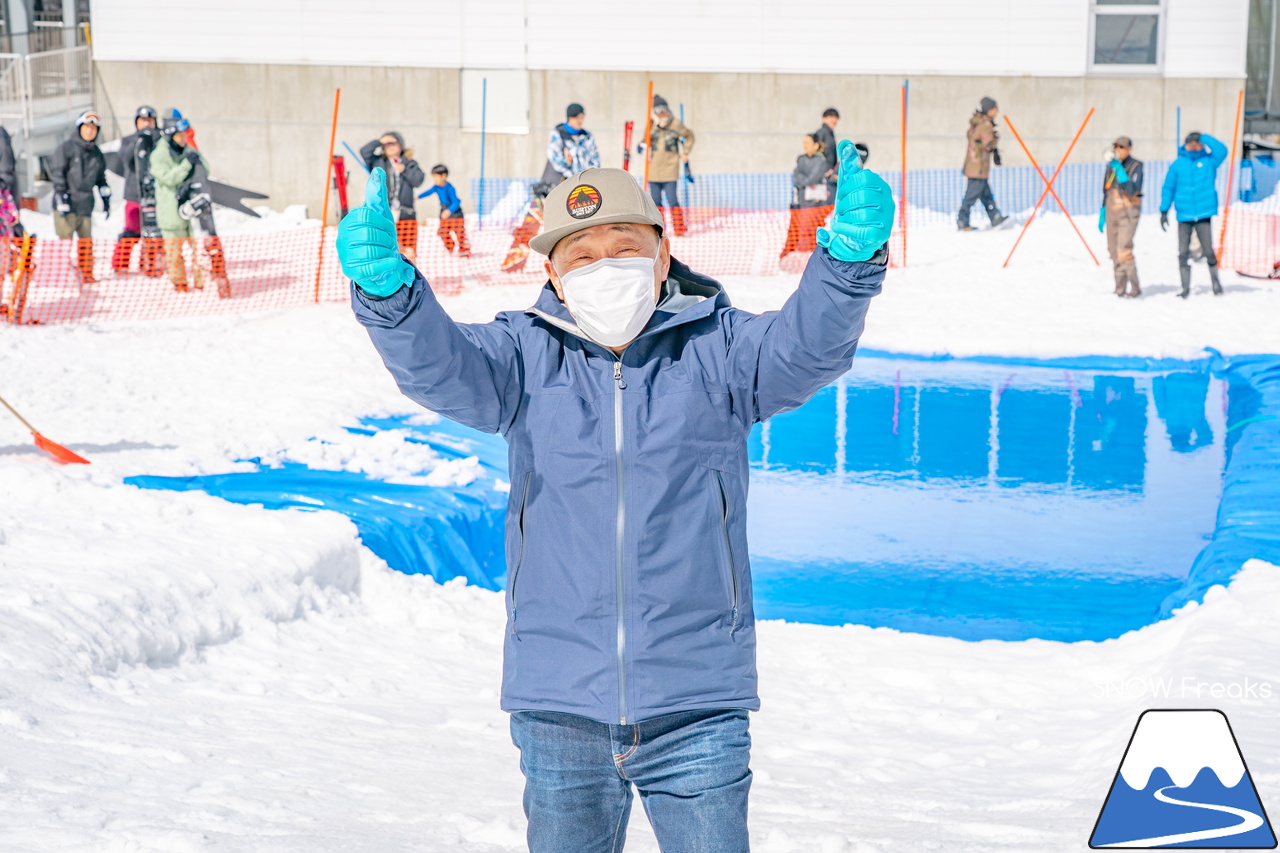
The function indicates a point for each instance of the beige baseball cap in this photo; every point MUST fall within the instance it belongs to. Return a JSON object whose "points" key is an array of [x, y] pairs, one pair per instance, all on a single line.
{"points": [[593, 197]]}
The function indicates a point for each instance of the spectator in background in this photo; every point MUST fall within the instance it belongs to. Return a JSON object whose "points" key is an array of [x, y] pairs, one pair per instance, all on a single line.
{"points": [[404, 176], [983, 142], [452, 223], [810, 200], [78, 168], [137, 143], [666, 137], [11, 233], [826, 134], [570, 149], [1190, 186], [1122, 208], [171, 163]]}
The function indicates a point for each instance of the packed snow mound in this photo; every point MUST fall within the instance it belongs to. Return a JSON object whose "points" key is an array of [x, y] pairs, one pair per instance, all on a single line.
{"points": [[99, 577]]}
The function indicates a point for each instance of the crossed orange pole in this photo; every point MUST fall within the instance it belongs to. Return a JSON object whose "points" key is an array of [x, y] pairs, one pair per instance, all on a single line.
{"points": [[1048, 188]]}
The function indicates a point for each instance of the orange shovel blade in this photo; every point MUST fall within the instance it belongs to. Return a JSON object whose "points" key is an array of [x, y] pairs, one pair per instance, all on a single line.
{"points": [[57, 451]]}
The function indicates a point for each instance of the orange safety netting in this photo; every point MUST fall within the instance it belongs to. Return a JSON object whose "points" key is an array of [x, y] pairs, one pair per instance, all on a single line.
{"points": [[51, 281]]}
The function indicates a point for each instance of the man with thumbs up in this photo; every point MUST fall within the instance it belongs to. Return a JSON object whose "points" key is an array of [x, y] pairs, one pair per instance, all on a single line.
{"points": [[626, 394]]}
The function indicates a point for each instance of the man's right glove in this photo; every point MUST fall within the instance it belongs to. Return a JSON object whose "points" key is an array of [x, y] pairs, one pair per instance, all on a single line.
{"points": [[192, 156], [367, 245], [864, 210], [995, 156], [1164, 220], [64, 204]]}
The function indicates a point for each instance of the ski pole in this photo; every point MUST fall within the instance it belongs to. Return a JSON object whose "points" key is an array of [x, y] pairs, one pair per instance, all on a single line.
{"points": [[356, 157]]}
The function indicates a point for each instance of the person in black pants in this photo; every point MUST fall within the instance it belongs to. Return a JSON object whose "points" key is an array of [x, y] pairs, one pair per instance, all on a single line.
{"points": [[1190, 188]]}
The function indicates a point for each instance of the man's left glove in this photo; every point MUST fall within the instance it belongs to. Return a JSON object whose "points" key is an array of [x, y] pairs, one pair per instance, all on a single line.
{"points": [[367, 245], [864, 210], [995, 156], [1164, 220], [105, 193]]}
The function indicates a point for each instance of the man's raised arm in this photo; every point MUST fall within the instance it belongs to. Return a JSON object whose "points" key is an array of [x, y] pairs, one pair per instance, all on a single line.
{"points": [[467, 372], [782, 359]]}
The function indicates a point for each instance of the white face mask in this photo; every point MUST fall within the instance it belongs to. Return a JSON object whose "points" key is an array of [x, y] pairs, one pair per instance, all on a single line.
{"points": [[611, 299]]}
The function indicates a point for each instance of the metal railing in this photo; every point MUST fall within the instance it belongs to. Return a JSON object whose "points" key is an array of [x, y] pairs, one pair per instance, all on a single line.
{"points": [[46, 90]]}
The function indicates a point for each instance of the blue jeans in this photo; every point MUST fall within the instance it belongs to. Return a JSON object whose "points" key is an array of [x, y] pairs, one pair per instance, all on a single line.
{"points": [[690, 769]]}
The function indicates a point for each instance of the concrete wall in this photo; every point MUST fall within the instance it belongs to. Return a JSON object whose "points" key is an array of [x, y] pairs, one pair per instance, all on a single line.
{"points": [[266, 127]]}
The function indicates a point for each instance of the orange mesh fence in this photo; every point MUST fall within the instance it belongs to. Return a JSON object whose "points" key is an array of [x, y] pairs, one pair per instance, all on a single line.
{"points": [[102, 280], [70, 281]]}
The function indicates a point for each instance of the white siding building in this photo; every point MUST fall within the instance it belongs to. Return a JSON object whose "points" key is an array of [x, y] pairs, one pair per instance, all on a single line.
{"points": [[258, 77]]}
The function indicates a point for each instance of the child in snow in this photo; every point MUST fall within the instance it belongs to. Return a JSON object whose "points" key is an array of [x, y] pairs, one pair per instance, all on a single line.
{"points": [[452, 224]]}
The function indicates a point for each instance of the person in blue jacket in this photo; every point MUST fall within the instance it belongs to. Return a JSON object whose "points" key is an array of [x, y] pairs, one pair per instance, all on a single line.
{"points": [[626, 393], [452, 223], [1190, 187]]}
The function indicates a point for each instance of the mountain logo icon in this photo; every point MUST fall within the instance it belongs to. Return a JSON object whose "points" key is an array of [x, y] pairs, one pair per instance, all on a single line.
{"points": [[1182, 783]]}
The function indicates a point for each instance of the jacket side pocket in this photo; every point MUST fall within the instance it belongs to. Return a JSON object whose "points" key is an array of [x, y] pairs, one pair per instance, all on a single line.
{"points": [[728, 550], [515, 568]]}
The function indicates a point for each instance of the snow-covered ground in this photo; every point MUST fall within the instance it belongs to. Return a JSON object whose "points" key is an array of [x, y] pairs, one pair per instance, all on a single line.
{"points": [[178, 673]]}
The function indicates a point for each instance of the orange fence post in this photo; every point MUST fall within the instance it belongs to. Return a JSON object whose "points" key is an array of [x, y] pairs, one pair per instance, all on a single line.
{"points": [[648, 129], [902, 208], [1048, 188], [328, 176], [1231, 173]]}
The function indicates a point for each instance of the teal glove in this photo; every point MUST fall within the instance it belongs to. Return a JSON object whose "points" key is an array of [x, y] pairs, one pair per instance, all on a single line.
{"points": [[1102, 219], [1122, 177], [367, 245], [864, 210]]}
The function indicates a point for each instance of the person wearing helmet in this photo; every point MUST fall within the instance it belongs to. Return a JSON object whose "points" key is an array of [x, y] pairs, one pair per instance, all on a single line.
{"points": [[132, 147], [626, 394], [77, 169], [171, 163]]}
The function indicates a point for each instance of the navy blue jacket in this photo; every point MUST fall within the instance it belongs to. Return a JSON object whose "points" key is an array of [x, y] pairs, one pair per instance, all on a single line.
{"points": [[1189, 185], [628, 587]]}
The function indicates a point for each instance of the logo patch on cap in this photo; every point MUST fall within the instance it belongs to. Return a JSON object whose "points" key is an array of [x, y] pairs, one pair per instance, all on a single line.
{"points": [[583, 201]]}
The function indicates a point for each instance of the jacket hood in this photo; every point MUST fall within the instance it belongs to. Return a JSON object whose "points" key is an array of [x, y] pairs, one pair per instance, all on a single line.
{"points": [[686, 296]]}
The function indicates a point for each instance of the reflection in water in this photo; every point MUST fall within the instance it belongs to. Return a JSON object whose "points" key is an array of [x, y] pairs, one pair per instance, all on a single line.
{"points": [[1087, 432], [1180, 399], [985, 502]]}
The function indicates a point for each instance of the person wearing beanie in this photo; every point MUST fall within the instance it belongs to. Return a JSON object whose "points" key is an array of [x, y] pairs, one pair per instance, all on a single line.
{"points": [[404, 175], [626, 393], [982, 149], [77, 169], [670, 142], [570, 148], [1190, 186], [1121, 210]]}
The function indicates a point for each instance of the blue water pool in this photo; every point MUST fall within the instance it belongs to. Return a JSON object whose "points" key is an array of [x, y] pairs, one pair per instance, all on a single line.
{"points": [[969, 499]]}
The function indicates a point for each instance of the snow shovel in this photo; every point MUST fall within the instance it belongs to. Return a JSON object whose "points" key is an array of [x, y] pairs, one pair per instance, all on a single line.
{"points": [[57, 451]]}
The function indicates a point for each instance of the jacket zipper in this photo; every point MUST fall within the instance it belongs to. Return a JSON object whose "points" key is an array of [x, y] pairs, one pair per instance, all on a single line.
{"points": [[515, 572], [618, 384], [728, 550]]}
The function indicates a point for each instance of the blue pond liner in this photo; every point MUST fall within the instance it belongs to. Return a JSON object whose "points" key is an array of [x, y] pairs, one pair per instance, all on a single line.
{"points": [[992, 447]]}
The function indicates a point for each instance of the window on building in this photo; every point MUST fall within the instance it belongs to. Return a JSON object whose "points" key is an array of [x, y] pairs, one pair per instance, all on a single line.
{"points": [[1126, 35]]}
